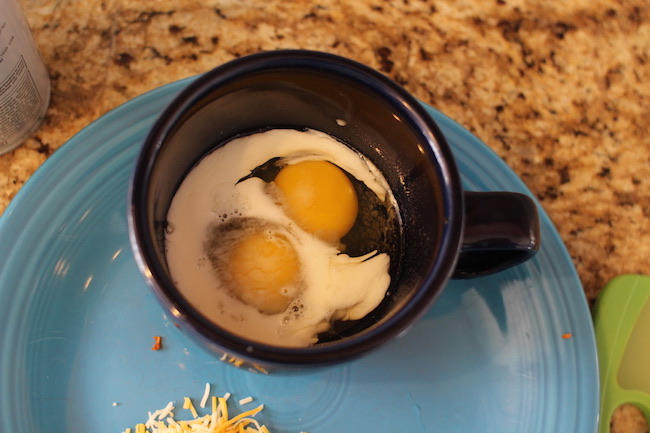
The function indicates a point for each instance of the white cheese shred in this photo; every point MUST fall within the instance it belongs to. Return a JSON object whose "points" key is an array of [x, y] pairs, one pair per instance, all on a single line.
{"points": [[246, 400], [206, 395]]}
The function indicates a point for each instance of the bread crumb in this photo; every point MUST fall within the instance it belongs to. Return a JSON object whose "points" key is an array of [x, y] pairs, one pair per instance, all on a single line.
{"points": [[627, 418], [157, 345]]}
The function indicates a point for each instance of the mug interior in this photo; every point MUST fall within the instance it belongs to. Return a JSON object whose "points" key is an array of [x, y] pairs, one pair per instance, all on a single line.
{"points": [[348, 101]]}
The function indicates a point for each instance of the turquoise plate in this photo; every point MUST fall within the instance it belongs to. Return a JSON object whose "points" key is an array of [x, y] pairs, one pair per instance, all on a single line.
{"points": [[77, 321]]}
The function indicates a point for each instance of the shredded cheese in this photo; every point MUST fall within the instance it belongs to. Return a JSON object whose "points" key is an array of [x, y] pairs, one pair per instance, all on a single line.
{"points": [[260, 369], [206, 395], [246, 400], [187, 404], [217, 421]]}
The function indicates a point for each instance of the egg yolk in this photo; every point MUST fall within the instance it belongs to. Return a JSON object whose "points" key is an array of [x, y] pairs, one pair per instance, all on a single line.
{"points": [[319, 197], [264, 269]]}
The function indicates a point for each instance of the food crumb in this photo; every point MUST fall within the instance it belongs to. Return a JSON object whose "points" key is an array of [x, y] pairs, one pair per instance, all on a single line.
{"points": [[114, 403], [567, 335], [157, 345]]}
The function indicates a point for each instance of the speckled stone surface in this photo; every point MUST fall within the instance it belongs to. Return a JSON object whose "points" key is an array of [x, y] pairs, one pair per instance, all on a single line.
{"points": [[560, 90]]}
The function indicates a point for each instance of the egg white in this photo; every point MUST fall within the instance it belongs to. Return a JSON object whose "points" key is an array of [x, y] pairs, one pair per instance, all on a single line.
{"points": [[333, 285]]}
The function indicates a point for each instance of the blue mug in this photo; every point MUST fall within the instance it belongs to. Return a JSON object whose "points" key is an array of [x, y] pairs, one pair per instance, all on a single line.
{"points": [[444, 231]]}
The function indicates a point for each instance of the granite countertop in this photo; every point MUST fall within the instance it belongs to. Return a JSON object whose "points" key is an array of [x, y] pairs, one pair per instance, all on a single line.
{"points": [[558, 89]]}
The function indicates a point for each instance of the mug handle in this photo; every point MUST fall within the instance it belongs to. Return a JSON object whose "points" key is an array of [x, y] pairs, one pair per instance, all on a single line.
{"points": [[501, 231]]}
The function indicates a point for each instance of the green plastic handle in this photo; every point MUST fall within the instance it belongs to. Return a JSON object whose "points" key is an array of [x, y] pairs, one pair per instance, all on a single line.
{"points": [[621, 311]]}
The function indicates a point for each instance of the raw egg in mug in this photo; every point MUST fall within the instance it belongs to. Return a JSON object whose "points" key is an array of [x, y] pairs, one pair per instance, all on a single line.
{"points": [[268, 237]]}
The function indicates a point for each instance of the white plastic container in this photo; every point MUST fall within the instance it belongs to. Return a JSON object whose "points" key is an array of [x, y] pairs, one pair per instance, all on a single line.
{"points": [[24, 82]]}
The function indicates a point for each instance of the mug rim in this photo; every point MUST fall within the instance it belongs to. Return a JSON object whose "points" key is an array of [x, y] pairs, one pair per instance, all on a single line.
{"points": [[351, 347]]}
